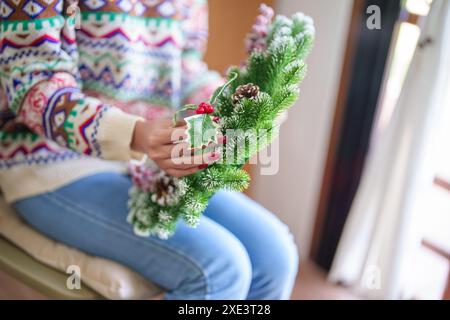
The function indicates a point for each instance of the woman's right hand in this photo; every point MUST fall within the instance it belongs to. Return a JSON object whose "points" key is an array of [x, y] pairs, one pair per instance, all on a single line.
{"points": [[162, 142]]}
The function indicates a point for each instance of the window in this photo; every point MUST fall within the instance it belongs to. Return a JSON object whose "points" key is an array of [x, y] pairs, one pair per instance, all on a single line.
{"points": [[427, 276], [404, 44], [430, 263]]}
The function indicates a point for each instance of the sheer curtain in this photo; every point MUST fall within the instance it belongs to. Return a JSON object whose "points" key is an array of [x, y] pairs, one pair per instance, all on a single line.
{"points": [[372, 255]]}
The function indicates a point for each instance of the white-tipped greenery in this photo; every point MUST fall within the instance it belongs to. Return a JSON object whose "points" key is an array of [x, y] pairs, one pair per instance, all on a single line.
{"points": [[277, 71]]}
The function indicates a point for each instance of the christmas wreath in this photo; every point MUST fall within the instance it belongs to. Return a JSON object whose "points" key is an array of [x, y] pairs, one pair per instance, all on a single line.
{"points": [[243, 111]]}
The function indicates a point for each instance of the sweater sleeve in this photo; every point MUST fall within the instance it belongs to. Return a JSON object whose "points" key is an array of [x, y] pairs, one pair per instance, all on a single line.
{"points": [[39, 76], [198, 82]]}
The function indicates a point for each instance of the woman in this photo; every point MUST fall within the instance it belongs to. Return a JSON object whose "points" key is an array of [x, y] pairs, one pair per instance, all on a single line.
{"points": [[85, 92]]}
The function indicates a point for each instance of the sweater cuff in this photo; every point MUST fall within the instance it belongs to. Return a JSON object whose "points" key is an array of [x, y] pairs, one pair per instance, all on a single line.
{"points": [[115, 133]]}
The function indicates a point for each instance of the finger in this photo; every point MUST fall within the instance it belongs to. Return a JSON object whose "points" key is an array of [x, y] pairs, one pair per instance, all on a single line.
{"points": [[166, 123], [211, 147], [181, 163], [171, 135], [187, 162], [168, 151], [178, 150], [182, 173], [172, 151], [178, 135]]}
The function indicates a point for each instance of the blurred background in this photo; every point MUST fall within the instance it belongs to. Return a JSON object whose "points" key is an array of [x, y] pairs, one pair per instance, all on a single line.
{"points": [[325, 187], [364, 173]]}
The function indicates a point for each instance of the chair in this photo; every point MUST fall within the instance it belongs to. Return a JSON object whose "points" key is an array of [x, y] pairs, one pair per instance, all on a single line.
{"points": [[40, 263], [46, 280]]}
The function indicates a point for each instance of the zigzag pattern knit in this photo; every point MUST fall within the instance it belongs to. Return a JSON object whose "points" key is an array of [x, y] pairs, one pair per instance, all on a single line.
{"points": [[75, 78]]}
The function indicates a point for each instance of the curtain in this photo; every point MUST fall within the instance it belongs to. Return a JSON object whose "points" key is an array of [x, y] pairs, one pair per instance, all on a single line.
{"points": [[372, 255]]}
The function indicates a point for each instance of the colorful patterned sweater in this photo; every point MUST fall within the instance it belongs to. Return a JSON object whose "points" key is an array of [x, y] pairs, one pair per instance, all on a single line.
{"points": [[75, 78]]}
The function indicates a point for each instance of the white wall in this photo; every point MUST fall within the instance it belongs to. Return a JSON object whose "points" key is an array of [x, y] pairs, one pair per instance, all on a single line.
{"points": [[293, 193]]}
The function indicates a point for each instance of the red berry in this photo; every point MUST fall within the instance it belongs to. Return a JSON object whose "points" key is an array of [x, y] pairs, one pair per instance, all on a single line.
{"points": [[206, 106], [216, 119], [209, 109], [200, 110]]}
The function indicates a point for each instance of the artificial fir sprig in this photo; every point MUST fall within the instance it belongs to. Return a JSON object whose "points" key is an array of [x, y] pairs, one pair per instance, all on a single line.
{"points": [[243, 110]]}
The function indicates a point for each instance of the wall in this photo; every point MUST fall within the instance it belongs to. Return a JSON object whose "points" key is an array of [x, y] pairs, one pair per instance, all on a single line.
{"points": [[229, 22], [293, 193]]}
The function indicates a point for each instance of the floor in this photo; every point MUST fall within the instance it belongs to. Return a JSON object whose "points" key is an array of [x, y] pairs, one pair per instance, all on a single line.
{"points": [[311, 284], [12, 289]]}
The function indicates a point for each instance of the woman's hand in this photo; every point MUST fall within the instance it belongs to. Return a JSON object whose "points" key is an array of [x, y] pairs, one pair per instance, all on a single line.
{"points": [[162, 142]]}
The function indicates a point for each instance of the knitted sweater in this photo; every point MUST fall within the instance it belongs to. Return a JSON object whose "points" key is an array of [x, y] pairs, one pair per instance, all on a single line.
{"points": [[76, 78]]}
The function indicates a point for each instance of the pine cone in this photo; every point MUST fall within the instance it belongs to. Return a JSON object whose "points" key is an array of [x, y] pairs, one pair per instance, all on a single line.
{"points": [[248, 91], [164, 189]]}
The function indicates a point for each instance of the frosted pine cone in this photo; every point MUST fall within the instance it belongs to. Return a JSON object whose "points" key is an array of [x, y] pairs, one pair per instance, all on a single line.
{"points": [[248, 91], [164, 189]]}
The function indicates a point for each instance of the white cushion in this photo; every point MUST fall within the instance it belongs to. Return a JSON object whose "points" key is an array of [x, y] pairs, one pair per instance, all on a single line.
{"points": [[108, 278]]}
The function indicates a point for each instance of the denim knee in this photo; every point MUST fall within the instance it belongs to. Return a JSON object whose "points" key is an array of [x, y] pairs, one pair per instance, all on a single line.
{"points": [[286, 257], [274, 277], [225, 273], [232, 275]]}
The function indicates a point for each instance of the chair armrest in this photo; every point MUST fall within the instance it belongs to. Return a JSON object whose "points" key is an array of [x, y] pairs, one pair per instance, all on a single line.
{"points": [[46, 280]]}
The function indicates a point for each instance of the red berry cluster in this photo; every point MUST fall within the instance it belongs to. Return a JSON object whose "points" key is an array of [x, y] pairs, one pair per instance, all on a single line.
{"points": [[204, 107]]}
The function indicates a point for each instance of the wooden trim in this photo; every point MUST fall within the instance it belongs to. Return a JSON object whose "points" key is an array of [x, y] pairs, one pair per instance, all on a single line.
{"points": [[444, 254], [361, 98], [358, 6], [441, 182], [446, 294], [413, 18], [406, 16], [436, 249]]}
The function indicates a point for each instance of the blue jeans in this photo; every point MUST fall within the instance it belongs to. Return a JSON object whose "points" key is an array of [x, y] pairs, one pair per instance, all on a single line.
{"points": [[239, 250]]}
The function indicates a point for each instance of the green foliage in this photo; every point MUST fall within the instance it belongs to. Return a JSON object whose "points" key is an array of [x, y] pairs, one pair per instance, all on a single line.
{"points": [[277, 71], [248, 124]]}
